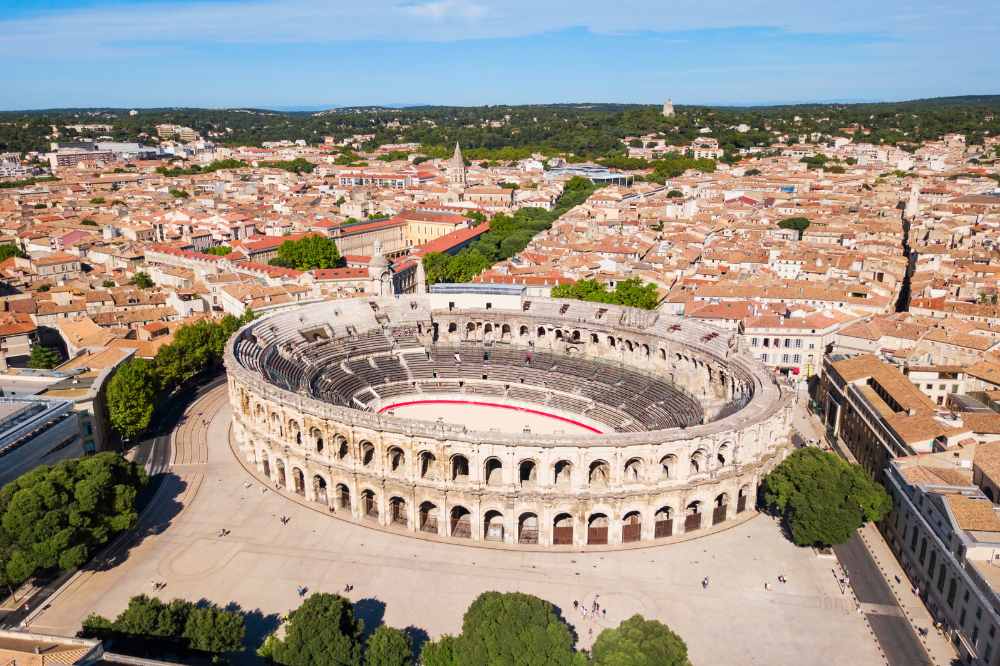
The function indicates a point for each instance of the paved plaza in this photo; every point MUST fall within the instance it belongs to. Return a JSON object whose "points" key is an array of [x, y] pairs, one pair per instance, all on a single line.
{"points": [[410, 582]]}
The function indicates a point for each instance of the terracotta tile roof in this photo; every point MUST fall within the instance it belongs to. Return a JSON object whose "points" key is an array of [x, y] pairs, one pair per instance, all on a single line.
{"points": [[975, 515]]}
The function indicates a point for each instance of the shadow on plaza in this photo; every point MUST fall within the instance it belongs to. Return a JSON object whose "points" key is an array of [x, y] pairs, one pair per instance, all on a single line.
{"points": [[156, 518], [372, 612]]}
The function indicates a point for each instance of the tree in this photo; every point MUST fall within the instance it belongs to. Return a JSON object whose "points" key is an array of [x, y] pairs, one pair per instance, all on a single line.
{"points": [[142, 280], [321, 632], [97, 200], [53, 518], [131, 395], [212, 629], [308, 253], [87, 222], [7, 251], [178, 194], [514, 628], [823, 498], [799, 224], [631, 292], [639, 642], [388, 647], [674, 194], [108, 284], [440, 652], [752, 172], [43, 358], [219, 250]]}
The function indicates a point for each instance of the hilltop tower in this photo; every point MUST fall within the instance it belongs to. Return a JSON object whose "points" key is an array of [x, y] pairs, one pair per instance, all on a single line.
{"points": [[668, 108], [456, 167]]}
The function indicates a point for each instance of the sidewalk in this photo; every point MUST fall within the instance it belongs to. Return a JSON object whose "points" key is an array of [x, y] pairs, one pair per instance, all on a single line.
{"points": [[938, 648]]}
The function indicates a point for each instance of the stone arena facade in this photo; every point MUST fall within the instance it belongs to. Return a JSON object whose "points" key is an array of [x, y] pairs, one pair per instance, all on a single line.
{"points": [[306, 385]]}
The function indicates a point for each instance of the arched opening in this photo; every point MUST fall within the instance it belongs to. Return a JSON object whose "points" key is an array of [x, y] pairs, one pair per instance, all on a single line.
{"points": [[663, 525], [369, 505], [595, 338], [428, 518], [505, 332], [523, 331], [427, 467], [343, 450], [562, 473], [558, 334], [343, 497], [668, 467], [319, 489], [280, 481], [631, 527], [599, 474], [719, 510], [562, 530], [493, 472], [294, 432], [493, 526], [397, 511], [633, 471], [317, 438], [741, 499], [629, 346], [541, 331], [611, 341], [470, 331], [645, 349], [692, 521], [452, 327], [697, 462], [526, 473], [367, 453], [461, 522], [597, 530], [527, 528], [459, 468], [575, 336], [266, 463], [722, 455], [396, 459]]}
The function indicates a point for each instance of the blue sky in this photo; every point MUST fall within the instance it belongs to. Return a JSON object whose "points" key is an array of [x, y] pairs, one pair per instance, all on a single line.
{"points": [[280, 53]]}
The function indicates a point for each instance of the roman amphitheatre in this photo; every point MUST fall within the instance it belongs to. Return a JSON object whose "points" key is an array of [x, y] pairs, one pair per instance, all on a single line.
{"points": [[486, 416]]}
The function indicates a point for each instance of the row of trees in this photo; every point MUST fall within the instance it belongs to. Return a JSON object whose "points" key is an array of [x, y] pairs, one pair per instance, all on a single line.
{"points": [[298, 165], [135, 387], [631, 292], [498, 629], [308, 253], [54, 517], [217, 165], [670, 165], [149, 627], [508, 235]]}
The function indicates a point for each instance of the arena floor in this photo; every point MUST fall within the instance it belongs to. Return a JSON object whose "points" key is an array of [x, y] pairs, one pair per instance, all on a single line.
{"points": [[411, 582], [483, 415]]}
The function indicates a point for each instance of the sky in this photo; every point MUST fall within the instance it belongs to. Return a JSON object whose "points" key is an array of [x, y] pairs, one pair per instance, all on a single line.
{"points": [[316, 53]]}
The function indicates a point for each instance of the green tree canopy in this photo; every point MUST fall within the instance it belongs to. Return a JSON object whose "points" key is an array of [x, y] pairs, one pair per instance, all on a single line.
{"points": [[639, 642], [388, 647], [43, 358], [822, 497], [321, 632], [631, 292], [8, 250], [131, 395], [219, 250], [514, 628], [440, 652], [52, 518], [201, 627], [142, 280], [799, 224], [308, 253]]}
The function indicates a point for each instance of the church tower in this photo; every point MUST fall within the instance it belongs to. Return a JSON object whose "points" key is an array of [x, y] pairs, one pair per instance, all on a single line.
{"points": [[456, 167], [668, 108]]}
